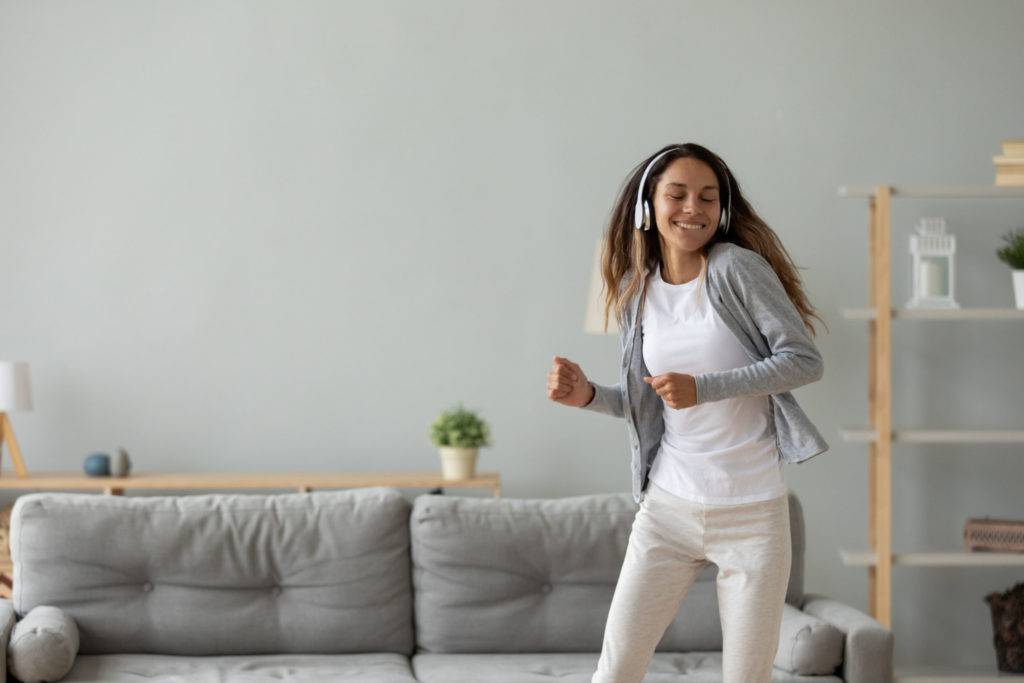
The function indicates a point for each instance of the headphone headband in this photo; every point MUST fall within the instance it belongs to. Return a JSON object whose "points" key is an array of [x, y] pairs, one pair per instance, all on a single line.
{"points": [[642, 212], [641, 215]]}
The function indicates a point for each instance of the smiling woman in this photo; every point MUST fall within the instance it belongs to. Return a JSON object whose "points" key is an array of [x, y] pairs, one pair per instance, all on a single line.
{"points": [[716, 333]]}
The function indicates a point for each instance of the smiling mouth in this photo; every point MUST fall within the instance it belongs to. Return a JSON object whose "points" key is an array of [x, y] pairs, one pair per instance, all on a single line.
{"points": [[688, 226]]}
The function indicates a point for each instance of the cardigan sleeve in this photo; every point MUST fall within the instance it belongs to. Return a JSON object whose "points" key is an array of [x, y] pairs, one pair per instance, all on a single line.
{"points": [[762, 311], [607, 400]]}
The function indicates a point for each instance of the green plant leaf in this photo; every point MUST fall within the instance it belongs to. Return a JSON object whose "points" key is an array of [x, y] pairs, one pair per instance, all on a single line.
{"points": [[1012, 253], [460, 428]]}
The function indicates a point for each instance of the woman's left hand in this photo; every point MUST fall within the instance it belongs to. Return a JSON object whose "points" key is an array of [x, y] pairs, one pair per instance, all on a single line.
{"points": [[677, 390]]}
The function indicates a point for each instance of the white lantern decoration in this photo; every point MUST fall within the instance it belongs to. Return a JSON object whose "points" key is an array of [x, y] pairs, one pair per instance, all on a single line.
{"points": [[932, 251]]}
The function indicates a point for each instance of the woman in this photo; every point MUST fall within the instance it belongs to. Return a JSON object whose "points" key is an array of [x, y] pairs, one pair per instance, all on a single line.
{"points": [[716, 331]]}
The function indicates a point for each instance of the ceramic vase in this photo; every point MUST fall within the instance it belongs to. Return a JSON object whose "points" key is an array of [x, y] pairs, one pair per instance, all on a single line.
{"points": [[97, 465]]}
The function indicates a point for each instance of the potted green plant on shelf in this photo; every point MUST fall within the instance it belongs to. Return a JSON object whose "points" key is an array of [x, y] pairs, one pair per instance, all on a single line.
{"points": [[459, 433], [1012, 254]]}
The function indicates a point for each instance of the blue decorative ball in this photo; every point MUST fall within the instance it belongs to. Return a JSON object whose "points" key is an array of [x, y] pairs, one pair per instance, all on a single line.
{"points": [[97, 465]]}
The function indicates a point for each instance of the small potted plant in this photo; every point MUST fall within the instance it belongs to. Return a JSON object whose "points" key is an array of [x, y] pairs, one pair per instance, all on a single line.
{"points": [[459, 433], [1012, 253]]}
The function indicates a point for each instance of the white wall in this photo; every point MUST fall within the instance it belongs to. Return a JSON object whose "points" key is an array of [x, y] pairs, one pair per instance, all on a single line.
{"points": [[284, 235]]}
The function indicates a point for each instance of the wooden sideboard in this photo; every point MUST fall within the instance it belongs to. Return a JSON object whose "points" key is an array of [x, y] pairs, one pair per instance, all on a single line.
{"points": [[302, 482]]}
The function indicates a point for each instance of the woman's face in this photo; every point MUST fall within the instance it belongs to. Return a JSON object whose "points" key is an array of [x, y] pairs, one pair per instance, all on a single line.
{"points": [[687, 205]]}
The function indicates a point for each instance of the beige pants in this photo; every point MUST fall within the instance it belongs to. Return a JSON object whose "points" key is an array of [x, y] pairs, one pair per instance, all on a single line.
{"points": [[671, 541]]}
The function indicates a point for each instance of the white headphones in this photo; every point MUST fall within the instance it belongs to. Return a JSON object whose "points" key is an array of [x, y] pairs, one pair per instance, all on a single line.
{"points": [[642, 213]]}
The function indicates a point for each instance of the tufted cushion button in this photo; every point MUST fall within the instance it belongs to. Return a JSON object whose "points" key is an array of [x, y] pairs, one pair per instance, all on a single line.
{"points": [[546, 588], [147, 587]]}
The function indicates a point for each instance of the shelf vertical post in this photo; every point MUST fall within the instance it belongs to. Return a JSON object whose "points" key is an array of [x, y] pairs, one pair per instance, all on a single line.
{"points": [[880, 407]]}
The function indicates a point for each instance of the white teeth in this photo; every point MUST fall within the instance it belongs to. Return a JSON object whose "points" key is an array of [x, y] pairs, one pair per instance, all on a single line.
{"points": [[689, 226]]}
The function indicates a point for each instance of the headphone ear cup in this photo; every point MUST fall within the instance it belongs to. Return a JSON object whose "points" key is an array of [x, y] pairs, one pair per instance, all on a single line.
{"points": [[647, 215]]}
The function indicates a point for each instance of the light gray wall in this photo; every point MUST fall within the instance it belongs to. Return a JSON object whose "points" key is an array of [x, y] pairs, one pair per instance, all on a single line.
{"points": [[284, 235]]}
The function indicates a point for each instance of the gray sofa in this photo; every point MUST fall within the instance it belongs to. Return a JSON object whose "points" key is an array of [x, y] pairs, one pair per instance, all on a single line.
{"points": [[363, 585]]}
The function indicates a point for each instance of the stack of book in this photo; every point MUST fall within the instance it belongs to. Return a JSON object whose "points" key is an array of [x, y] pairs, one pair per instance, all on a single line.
{"points": [[1010, 166], [997, 535]]}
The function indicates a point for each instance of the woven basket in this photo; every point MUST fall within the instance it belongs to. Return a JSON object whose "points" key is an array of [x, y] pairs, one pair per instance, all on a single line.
{"points": [[998, 535]]}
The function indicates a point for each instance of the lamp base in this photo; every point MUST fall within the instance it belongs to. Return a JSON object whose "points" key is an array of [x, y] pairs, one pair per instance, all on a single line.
{"points": [[7, 434]]}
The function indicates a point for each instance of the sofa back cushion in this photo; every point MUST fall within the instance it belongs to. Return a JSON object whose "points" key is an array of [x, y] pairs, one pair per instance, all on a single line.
{"points": [[220, 574], [505, 575]]}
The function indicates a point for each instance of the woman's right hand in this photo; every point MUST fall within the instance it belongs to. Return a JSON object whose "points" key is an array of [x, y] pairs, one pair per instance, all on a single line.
{"points": [[568, 385]]}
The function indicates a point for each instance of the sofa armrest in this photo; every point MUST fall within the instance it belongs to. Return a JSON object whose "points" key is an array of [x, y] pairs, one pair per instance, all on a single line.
{"points": [[867, 654], [7, 620]]}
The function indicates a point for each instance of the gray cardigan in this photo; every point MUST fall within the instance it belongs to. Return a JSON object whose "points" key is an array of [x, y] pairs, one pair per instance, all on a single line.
{"points": [[747, 294]]}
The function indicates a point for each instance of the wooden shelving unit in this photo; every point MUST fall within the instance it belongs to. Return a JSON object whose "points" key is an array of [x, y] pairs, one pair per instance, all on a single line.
{"points": [[880, 435]]}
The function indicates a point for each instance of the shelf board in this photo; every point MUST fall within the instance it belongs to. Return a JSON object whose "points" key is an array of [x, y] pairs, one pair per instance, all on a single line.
{"points": [[868, 558], [936, 675], [937, 314], [923, 191], [868, 435], [245, 480]]}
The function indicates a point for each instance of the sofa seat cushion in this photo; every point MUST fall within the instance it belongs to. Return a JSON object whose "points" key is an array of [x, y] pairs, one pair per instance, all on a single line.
{"points": [[689, 667], [371, 668]]}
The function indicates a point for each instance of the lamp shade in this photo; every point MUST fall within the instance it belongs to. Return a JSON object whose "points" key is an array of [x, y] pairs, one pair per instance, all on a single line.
{"points": [[594, 323], [15, 388]]}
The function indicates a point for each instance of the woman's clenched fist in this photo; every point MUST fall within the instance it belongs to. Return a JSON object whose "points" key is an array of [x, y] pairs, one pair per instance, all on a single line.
{"points": [[568, 385]]}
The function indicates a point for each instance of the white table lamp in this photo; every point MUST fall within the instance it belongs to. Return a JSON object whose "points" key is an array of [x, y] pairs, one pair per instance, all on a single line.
{"points": [[594, 322], [15, 394]]}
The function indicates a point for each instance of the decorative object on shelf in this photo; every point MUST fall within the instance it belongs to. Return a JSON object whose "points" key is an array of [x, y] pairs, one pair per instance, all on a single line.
{"points": [[996, 535], [15, 394], [1010, 166], [1012, 254], [97, 465], [120, 464], [459, 433], [1008, 627], [932, 251]]}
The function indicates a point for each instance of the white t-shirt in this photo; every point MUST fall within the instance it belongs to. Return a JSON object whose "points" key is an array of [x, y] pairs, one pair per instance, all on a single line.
{"points": [[715, 453]]}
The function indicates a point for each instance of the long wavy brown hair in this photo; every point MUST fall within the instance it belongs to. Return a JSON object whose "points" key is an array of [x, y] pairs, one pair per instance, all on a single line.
{"points": [[632, 253]]}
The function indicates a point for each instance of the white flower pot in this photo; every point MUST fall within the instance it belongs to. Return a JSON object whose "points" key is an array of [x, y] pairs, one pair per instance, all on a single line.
{"points": [[1018, 287], [458, 463]]}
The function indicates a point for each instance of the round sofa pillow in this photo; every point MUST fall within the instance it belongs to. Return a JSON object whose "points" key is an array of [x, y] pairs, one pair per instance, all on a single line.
{"points": [[43, 646]]}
